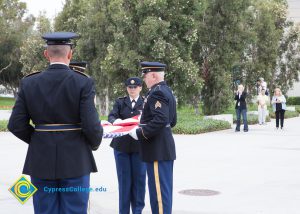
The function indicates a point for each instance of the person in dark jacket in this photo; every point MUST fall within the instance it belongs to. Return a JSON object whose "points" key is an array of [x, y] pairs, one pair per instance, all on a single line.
{"points": [[241, 108], [157, 142], [66, 128], [131, 170]]}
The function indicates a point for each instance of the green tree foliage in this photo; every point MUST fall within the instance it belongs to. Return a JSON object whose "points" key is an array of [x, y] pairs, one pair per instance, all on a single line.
{"points": [[96, 35], [208, 45], [74, 11], [272, 50], [73, 14], [118, 34], [32, 49], [266, 24], [218, 49], [288, 61], [14, 28]]}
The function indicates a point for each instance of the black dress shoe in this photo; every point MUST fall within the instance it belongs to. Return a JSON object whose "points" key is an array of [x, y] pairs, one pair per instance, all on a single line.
{"points": [[246, 130], [237, 130]]}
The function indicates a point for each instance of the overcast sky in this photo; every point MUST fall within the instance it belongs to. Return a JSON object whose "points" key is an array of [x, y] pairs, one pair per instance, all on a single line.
{"points": [[53, 7], [294, 9]]}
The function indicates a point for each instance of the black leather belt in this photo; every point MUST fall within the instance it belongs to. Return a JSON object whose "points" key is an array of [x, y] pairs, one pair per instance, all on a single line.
{"points": [[57, 127]]}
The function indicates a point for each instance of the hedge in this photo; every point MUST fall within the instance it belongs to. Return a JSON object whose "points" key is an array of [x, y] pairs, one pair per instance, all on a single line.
{"points": [[252, 119], [190, 123], [193, 126], [293, 101], [197, 126], [3, 125], [288, 114]]}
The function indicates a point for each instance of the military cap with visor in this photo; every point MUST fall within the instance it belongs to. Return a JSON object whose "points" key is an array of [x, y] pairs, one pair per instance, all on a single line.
{"points": [[60, 38], [133, 81], [78, 66], [152, 67]]}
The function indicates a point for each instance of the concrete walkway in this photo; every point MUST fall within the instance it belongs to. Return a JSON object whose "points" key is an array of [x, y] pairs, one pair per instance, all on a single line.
{"points": [[255, 173]]}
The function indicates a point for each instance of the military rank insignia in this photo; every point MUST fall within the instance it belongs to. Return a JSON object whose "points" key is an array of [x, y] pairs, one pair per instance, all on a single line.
{"points": [[157, 105]]}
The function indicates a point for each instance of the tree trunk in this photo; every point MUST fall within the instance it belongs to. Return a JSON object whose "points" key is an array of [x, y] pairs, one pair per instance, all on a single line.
{"points": [[106, 103], [196, 105], [103, 101]]}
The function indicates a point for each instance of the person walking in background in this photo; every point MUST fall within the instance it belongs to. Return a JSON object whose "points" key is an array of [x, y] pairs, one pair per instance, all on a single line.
{"points": [[262, 85], [131, 170], [279, 107], [241, 108], [262, 101]]}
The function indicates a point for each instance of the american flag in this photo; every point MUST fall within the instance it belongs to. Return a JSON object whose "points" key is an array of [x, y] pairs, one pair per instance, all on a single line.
{"points": [[119, 129]]}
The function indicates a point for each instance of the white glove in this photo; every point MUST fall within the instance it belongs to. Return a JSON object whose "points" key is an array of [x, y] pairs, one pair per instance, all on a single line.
{"points": [[117, 121], [133, 134]]}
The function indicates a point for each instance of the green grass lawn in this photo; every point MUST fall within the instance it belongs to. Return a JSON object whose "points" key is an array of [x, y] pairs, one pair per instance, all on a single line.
{"points": [[6, 103]]}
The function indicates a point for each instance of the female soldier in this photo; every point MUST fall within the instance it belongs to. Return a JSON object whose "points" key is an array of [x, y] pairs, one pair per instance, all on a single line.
{"points": [[130, 169]]}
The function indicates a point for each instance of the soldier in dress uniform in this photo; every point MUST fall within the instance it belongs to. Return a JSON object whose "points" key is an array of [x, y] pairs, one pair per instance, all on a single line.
{"points": [[78, 66], [131, 170], [66, 128], [157, 142]]}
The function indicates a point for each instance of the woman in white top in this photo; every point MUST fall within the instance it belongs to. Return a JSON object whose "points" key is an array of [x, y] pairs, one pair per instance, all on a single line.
{"points": [[262, 101], [279, 106]]}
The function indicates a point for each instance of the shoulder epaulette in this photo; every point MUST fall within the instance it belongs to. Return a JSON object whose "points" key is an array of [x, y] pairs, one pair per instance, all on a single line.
{"points": [[28, 75], [79, 72], [156, 88], [122, 97]]}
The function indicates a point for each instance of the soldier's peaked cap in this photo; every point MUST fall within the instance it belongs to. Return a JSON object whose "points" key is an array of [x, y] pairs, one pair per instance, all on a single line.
{"points": [[60, 38], [133, 81], [152, 67], [78, 66]]}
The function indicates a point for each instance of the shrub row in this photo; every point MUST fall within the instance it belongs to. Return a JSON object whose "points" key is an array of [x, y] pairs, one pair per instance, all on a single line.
{"points": [[188, 123], [252, 119], [193, 126], [197, 126], [3, 125], [288, 114], [293, 101]]}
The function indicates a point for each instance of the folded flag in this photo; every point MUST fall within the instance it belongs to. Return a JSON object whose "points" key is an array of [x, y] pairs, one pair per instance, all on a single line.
{"points": [[120, 128]]}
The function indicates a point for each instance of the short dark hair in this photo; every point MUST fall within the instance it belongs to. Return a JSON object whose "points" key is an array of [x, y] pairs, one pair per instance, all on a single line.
{"points": [[58, 50]]}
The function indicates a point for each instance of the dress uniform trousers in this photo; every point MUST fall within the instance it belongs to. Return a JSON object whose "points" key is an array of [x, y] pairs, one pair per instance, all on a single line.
{"points": [[131, 170], [160, 182], [58, 202], [131, 177]]}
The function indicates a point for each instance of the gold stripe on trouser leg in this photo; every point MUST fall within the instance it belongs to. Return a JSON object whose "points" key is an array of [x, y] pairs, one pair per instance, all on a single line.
{"points": [[158, 191]]}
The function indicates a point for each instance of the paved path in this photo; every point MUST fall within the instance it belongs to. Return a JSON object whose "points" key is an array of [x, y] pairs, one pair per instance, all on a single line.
{"points": [[5, 114], [256, 173]]}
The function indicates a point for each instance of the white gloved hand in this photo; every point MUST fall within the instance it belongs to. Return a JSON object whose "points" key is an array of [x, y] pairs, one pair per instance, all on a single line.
{"points": [[133, 134], [117, 121]]}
